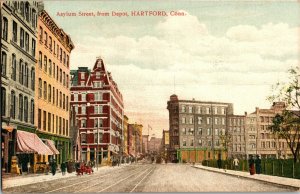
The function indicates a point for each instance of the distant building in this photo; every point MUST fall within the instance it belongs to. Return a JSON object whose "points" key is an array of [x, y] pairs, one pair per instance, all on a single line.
{"points": [[99, 110], [260, 140], [197, 129], [135, 139], [154, 145], [125, 136], [165, 144], [145, 144]]}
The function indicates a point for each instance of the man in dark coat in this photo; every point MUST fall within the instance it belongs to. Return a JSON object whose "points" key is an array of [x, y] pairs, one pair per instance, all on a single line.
{"points": [[258, 165], [63, 167], [53, 167]]}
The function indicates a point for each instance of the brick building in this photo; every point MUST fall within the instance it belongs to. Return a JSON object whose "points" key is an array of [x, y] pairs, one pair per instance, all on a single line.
{"points": [[52, 94], [197, 128], [99, 110], [260, 140], [135, 139]]}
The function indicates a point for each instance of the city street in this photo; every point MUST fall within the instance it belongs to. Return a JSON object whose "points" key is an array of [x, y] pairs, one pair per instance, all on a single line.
{"points": [[150, 178]]}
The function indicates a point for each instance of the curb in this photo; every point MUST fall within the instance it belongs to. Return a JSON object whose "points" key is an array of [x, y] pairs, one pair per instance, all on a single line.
{"points": [[295, 188]]}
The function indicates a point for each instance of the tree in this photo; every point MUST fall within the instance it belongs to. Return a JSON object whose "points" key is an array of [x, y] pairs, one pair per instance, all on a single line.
{"points": [[287, 124]]}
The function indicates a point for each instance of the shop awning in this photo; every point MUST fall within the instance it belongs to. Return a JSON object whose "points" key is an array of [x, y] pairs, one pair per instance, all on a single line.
{"points": [[52, 147], [31, 143]]}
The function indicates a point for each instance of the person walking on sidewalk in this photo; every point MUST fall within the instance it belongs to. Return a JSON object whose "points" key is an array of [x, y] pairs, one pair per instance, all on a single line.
{"points": [[236, 163], [258, 165], [53, 167], [251, 165], [219, 161], [63, 168]]}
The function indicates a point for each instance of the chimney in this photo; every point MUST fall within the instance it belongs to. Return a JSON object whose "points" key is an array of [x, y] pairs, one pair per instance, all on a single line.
{"points": [[246, 113]]}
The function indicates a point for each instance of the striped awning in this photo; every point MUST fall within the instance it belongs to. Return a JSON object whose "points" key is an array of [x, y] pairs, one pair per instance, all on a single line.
{"points": [[31, 143], [52, 147]]}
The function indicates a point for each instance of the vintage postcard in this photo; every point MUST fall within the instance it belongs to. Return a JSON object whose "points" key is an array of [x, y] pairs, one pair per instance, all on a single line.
{"points": [[150, 96]]}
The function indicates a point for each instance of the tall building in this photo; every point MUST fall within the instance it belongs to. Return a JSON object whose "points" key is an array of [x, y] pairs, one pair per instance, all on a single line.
{"points": [[18, 48], [260, 140], [145, 144], [99, 111], [52, 94], [165, 145], [135, 145], [197, 128], [236, 136]]}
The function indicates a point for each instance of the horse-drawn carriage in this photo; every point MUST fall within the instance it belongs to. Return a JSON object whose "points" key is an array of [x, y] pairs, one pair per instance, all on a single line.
{"points": [[84, 169]]}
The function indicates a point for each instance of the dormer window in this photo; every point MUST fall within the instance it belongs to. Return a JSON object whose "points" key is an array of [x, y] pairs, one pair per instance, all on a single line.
{"points": [[98, 75], [82, 75]]}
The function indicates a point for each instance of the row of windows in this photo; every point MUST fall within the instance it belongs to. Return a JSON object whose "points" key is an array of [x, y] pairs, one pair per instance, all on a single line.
{"points": [[97, 97], [266, 119], [238, 138], [84, 138], [29, 14], [20, 104], [200, 131], [53, 70], [98, 122], [50, 94], [190, 120], [51, 44], [200, 142], [98, 109], [203, 110], [238, 147], [266, 136], [24, 73], [236, 122], [268, 144], [23, 37], [49, 122]]}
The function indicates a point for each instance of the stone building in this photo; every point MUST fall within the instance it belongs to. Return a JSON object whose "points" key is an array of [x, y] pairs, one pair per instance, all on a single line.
{"points": [[52, 94], [260, 140], [99, 111], [197, 129], [18, 48], [135, 139], [236, 136]]}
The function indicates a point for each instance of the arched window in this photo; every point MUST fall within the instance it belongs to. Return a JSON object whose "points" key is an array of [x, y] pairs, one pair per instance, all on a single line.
{"points": [[3, 62], [21, 108], [26, 109], [21, 71], [32, 111], [26, 75], [5, 28], [13, 67], [45, 90], [3, 101], [40, 88], [33, 19], [32, 78], [22, 8], [13, 105], [45, 63], [27, 11], [49, 93]]}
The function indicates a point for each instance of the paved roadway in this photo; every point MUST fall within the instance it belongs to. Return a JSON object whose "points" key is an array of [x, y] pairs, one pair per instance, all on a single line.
{"points": [[150, 178]]}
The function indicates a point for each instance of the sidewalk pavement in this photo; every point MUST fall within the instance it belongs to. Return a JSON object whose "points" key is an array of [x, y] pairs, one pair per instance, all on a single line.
{"points": [[27, 179], [281, 181]]}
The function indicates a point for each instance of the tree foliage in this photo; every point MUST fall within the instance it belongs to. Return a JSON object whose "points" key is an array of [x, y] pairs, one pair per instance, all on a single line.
{"points": [[286, 125]]}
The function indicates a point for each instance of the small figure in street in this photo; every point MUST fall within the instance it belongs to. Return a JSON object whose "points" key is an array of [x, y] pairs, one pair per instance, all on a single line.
{"points": [[258, 165], [219, 161], [28, 167], [251, 165], [63, 168], [53, 167], [236, 163]]}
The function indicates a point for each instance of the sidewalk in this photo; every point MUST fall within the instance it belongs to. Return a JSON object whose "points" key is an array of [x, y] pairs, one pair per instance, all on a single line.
{"points": [[281, 181], [27, 179]]}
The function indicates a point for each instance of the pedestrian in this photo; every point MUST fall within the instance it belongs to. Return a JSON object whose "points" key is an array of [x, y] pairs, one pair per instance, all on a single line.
{"points": [[236, 163], [28, 167], [63, 168], [258, 165], [251, 165], [219, 161], [53, 167]]}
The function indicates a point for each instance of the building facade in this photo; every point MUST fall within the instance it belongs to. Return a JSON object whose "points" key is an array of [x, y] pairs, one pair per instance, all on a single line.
{"points": [[135, 139], [154, 145], [52, 94], [236, 136], [125, 136], [165, 145], [18, 48], [260, 140], [100, 112], [197, 129]]}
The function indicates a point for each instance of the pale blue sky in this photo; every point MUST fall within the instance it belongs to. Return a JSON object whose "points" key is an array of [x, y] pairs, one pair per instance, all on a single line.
{"points": [[221, 50]]}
